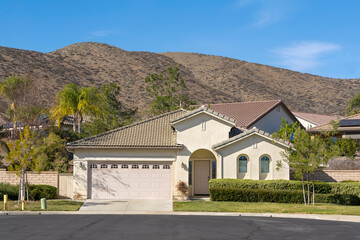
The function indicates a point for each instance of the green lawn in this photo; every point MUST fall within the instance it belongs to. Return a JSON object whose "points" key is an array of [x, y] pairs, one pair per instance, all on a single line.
{"points": [[265, 207], [52, 205]]}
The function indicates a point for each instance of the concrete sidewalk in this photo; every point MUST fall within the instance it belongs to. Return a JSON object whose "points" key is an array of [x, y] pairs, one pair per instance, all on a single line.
{"points": [[345, 218], [126, 206]]}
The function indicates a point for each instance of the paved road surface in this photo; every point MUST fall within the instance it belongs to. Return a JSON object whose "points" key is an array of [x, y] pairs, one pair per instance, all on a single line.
{"points": [[101, 227]]}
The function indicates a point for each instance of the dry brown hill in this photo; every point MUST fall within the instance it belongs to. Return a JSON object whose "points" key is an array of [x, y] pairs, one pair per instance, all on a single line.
{"points": [[209, 79]]}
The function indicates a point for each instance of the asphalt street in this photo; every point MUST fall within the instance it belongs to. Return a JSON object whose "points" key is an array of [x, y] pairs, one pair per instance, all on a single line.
{"points": [[103, 227]]}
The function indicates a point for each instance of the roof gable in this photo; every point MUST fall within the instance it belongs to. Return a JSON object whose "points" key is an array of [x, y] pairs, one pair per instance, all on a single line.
{"points": [[155, 132], [207, 111], [249, 133], [317, 119], [247, 114]]}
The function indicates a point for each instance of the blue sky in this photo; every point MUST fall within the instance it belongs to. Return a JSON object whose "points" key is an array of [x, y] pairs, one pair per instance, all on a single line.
{"points": [[320, 37]]}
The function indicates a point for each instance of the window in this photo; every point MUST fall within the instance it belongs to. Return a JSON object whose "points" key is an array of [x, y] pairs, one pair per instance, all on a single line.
{"points": [[243, 162], [93, 166], [213, 169], [114, 166], [103, 166], [135, 166], [145, 167], [190, 172], [166, 166], [265, 164], [124, 166], [156, 167]]}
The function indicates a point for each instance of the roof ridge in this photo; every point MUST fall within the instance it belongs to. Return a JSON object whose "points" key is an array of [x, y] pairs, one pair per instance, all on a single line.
{"points": [[319, 114], [260, 101], [125, 127]]}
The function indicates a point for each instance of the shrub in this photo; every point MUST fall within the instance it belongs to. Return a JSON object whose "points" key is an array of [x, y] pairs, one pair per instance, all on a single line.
{"points": [[36, 192], [320, 187], [11, 190], [279, 196], [345, 188]]}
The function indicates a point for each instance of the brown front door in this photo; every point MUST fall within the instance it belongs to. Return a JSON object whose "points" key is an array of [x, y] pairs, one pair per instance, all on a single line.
{"points": [[202, 177]]}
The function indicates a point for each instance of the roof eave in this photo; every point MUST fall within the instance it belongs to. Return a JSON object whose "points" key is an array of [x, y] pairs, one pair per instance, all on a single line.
{"points": [[179, 147], [232, 141]]}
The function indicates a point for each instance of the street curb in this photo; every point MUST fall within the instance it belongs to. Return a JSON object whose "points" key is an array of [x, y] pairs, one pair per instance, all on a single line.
{"points": [[345, 218]]}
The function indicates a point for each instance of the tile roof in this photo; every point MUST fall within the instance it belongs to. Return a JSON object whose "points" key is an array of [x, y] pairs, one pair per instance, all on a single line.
{"points": [[328, 126], [203, 109], [317, 119], [247, 113], [155, 132], [247, 133]]}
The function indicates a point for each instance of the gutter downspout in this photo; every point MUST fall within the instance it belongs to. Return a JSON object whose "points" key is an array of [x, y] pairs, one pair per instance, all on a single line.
{"points": [[222, 166]]}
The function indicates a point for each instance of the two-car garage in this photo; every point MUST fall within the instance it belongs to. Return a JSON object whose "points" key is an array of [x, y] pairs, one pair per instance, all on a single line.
{"points": [[129, 180]]}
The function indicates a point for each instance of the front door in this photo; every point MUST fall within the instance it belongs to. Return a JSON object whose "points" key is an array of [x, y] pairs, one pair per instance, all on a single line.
{"points": [[202, 177]]}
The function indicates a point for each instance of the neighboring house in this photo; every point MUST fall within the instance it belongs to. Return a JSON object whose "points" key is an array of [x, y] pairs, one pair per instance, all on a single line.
{"points": [[147, 159], [309, 120], [349, 127]]}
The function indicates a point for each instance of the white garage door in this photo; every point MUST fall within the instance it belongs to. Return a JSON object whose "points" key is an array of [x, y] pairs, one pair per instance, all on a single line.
{"points": [[130, 181]]}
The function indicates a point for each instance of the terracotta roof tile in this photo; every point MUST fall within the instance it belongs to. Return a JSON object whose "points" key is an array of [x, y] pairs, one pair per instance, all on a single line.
{"points": [[154, 132], [328, 126], [203, 109], [317, 119], [246, 133], [245, 113]]}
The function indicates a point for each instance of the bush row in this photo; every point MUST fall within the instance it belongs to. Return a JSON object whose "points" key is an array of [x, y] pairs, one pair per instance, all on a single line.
{"points": [[279, 196], [352, 188], [36, 192]]}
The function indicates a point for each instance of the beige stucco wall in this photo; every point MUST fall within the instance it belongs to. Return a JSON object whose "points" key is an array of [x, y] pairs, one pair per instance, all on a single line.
{"points": [[254, 147], [191, 133], [271, 122], [84, 157]]}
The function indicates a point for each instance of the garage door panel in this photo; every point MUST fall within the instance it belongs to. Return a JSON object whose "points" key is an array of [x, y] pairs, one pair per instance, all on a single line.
{"points": [[127, 181]]}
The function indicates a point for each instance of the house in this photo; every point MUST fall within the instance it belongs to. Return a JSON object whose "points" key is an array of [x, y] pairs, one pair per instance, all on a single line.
{"points": [[349, 127], [147, 159], [309, 120]]}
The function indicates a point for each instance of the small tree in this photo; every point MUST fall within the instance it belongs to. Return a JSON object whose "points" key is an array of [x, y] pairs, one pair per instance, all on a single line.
{"points": [[353, 106], [286, 130], [305, 157], [22, 156], [167, 91], [111, 113]]}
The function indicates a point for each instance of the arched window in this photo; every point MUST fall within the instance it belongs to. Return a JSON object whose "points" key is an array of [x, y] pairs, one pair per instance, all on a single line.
{"points": [[243, 161], [265, 164]]}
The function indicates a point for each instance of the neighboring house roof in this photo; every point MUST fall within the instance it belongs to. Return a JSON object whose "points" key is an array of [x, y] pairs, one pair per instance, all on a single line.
{"points": [[208, 111], [329, 127], [155, 132], [247, 134], [316, 119], [247, 114]]}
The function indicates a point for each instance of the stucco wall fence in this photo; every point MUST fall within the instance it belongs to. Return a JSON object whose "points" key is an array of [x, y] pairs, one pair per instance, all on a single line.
{"points": [[63, 184], [337, 175]]}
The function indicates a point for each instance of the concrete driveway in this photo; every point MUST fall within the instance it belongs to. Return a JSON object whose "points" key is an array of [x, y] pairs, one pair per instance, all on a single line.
{"points": [[127, 206]]}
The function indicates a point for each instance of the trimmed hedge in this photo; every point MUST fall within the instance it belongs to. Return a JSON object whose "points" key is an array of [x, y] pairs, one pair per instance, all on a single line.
{"points": [[36, 192], [279, 196], [352, 188]]}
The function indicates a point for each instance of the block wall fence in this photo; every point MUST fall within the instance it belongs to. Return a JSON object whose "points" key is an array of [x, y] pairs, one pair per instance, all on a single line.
{"points": [[62, 181]]}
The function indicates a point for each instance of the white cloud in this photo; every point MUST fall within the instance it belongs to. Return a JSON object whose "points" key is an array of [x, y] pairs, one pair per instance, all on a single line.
{"points": [[305, 55], [267, 12]]}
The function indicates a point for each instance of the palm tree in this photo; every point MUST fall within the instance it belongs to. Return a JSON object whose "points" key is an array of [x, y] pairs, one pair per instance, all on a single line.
{"points": [[14, 89], [75, 102]]}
